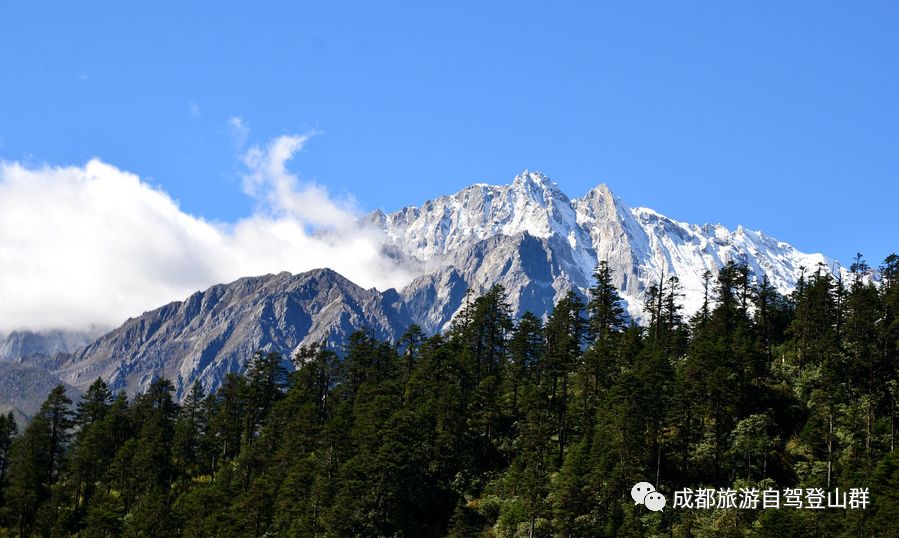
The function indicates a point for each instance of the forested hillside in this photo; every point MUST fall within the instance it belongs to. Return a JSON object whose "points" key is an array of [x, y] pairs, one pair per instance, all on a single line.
{"points": [[500, 427]]}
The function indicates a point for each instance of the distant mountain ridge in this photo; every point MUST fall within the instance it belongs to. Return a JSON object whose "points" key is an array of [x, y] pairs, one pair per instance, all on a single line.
{"points": [[527, 236], [555, 243], [24, 386], [25, 343]]}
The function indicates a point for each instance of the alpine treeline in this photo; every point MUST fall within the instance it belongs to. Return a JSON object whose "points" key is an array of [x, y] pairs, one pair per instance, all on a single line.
{"points": [[499, 428]]}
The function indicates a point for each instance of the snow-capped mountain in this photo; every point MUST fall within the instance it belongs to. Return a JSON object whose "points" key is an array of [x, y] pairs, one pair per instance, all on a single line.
{"points": [[527, 236], [550, 243]]}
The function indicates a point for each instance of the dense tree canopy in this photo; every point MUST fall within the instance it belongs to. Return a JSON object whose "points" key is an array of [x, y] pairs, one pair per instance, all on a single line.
{"points": [[499, 427]]}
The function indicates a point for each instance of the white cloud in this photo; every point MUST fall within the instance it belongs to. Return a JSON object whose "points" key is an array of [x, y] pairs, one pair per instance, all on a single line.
{"points": [[93, 245], [239, 131], [194, 109], [269, 181]]}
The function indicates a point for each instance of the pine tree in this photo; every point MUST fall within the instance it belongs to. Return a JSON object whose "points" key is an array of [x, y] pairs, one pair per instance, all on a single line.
{"points": [[599, 365], [565, 337], [482, 339], [436, 394], [93, 452], [410, 345], [228, 418], [666, 329], [266, 382], [604, 308], [93, 404], [152, 469], [8, 431], [526, 349], [814, 336], [36, 463], [93, 446], [771, 317], [530, 448], [885, 518], [888, 327], [866, 369], [192, 451]]}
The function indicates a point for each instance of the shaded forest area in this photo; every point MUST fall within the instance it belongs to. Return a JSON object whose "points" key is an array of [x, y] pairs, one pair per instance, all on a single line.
{"points": [[499, 428]]}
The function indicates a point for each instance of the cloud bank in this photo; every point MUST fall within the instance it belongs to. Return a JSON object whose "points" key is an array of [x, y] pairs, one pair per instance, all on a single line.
{"points": [[92, 245]]}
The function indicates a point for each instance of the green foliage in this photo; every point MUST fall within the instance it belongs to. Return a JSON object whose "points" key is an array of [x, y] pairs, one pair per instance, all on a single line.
{"points": [[8, 430], [531, 429], [37, 463]]}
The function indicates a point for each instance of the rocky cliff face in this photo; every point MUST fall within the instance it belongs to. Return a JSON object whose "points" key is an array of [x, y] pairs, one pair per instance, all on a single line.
{"points": [[533, 239], [216, 331]]}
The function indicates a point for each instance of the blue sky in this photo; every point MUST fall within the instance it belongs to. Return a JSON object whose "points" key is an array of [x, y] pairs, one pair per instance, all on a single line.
{"points": [[781, 116]]}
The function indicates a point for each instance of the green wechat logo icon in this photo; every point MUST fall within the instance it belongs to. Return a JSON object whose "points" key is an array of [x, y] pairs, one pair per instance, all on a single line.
{"points": [[645, 493]]}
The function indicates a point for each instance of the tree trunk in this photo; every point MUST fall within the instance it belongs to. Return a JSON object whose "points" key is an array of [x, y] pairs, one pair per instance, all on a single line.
{"points": [[829, 447]]}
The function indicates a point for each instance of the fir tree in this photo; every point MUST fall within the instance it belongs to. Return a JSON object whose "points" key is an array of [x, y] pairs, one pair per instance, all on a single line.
{"points": [[37, 460], [565, 336], [8, 431]]}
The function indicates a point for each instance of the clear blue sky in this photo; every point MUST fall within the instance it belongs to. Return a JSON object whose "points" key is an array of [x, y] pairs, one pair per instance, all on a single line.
{"points": [[782, 116]]}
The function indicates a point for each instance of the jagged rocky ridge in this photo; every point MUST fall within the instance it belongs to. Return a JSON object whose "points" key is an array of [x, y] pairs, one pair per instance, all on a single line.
{"points": [[528, 236], [216, 331], [24, 343], [537, 242]]}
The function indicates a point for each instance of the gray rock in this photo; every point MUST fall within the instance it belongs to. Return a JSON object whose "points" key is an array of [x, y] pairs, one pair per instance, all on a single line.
{"points": [[533, 239], [24, 387], [26, 343], [216, 331]]}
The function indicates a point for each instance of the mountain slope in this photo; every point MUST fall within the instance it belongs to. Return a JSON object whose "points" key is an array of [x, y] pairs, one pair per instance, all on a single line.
{"points": [[216, 331], [24, 387], [478, 231]]}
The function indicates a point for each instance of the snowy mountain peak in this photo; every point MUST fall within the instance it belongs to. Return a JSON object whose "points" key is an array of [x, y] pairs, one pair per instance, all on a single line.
{"points": [[535, 186], [640, 245], [600, 191], [531, 204], [537, 178], [600, 203]]}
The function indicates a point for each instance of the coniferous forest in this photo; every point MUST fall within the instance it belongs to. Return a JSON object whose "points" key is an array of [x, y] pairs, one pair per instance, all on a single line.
{"points": [[528, 428]]}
